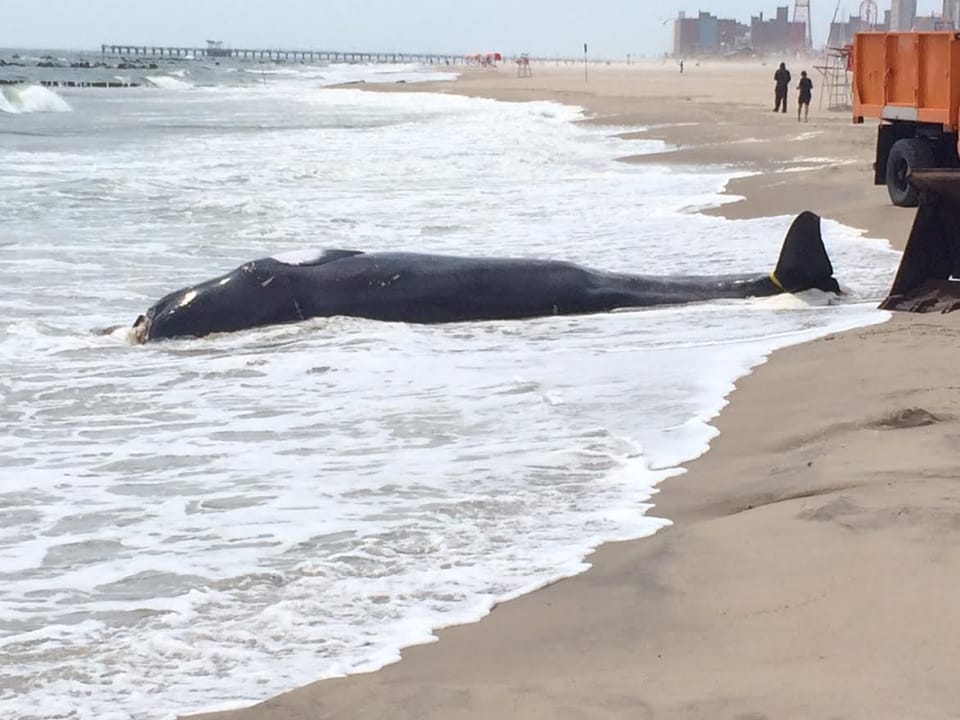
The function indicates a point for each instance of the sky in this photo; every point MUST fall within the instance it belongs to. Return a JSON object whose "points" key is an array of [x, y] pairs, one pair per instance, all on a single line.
{"points": [[611, 28]]}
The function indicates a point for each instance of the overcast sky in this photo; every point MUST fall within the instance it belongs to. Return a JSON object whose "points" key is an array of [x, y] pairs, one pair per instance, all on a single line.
{"points": [[612, 28]]}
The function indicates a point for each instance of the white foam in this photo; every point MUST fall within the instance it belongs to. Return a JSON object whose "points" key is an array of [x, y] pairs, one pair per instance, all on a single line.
{"points": [[202, 523], [31, 98], [168, 83], [340, 73]]}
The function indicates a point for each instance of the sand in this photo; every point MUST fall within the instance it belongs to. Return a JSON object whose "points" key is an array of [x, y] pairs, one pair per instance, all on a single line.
{"points": [[812, 567]]}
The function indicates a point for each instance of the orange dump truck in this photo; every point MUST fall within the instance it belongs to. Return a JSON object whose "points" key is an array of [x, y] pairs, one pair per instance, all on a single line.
{"points": [[911, 82]]}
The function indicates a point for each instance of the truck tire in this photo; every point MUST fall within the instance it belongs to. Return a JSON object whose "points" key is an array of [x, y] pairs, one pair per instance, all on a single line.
{"points": [[907, 154]]}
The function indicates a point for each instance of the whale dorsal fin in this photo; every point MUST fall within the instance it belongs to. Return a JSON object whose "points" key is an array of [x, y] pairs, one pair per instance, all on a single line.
{"points": [[314, 257]]}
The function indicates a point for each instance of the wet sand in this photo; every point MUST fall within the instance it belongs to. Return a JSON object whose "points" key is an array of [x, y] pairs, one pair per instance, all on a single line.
{"points": [[812, 567]]}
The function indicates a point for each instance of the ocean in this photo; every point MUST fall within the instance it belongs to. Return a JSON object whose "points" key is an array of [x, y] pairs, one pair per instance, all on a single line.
{"points": [[199, 524]]}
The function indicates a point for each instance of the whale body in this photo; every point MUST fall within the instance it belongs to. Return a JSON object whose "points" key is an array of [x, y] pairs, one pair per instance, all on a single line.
{"points": [[427, 288]]}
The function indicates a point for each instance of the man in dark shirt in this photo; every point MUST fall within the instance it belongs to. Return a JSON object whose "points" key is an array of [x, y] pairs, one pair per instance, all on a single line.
{"points": [[806, 92], [782, 78]]}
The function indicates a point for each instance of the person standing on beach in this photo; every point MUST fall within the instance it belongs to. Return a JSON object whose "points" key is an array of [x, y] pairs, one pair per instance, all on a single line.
{"points": [[806, 92], [782, 78]]}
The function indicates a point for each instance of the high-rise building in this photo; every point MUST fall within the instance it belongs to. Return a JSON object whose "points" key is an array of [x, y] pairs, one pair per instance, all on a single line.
{"points": [[707, 34], [951, 13], [902, 14], [777, 34], [841, 33]]}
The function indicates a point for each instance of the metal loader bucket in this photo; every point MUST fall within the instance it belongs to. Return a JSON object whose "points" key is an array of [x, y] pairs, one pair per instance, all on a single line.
{"points": [[925, 279]]}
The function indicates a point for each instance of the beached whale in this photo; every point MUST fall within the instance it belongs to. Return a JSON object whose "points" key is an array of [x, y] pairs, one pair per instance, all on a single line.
{"points": [[422, 288]]}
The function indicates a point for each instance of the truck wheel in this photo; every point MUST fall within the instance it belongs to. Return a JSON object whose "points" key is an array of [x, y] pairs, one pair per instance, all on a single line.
{"points": [[906, 155]]}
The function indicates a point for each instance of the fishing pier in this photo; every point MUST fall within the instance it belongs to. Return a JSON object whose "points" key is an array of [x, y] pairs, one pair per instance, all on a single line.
{"points": [[216, 50]]}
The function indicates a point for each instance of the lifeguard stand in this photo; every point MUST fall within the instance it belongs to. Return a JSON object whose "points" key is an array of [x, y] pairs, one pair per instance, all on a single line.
{"points": [[836, 78], [523, 66]]}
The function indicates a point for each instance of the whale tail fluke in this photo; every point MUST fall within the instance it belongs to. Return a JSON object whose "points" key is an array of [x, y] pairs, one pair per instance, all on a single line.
{"points": [[804, 263]]}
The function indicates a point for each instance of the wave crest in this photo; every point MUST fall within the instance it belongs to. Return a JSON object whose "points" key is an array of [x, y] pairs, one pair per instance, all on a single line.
{"points": [[168, 83], [31, 98]]}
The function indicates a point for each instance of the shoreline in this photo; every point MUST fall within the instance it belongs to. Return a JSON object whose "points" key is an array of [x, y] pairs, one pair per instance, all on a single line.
{"points": [[771, 595], [701, 126]]}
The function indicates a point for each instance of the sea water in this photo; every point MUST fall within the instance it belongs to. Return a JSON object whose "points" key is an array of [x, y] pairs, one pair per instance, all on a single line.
{"points": [[199, 524]]}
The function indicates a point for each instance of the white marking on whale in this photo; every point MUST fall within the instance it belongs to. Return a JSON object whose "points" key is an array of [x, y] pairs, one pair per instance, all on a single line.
{"points": [[300, 257]]}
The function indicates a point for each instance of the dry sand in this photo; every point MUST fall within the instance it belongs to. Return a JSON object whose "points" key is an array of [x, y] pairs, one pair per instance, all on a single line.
{"points": [[812, 568]]}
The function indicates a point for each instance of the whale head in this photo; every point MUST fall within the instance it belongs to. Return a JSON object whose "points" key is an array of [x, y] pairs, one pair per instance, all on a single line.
{"points": [[252, 295], [261, 292]]}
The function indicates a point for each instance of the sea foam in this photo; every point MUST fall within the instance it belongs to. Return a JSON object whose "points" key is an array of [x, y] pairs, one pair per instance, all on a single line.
{"points": [[202, 523], [31, 98], [167, 82]]}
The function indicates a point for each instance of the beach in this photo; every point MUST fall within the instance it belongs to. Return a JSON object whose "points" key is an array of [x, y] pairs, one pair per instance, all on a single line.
{"points": [[809, 569]]}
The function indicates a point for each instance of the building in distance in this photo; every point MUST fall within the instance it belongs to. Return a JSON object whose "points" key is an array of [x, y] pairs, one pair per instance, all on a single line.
{"points": [[707, 34], [901, 17], [778, 34]]}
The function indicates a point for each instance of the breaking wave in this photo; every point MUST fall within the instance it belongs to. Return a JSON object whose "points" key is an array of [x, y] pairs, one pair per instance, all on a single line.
{"points": [[31, 98], [168, 83]]}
